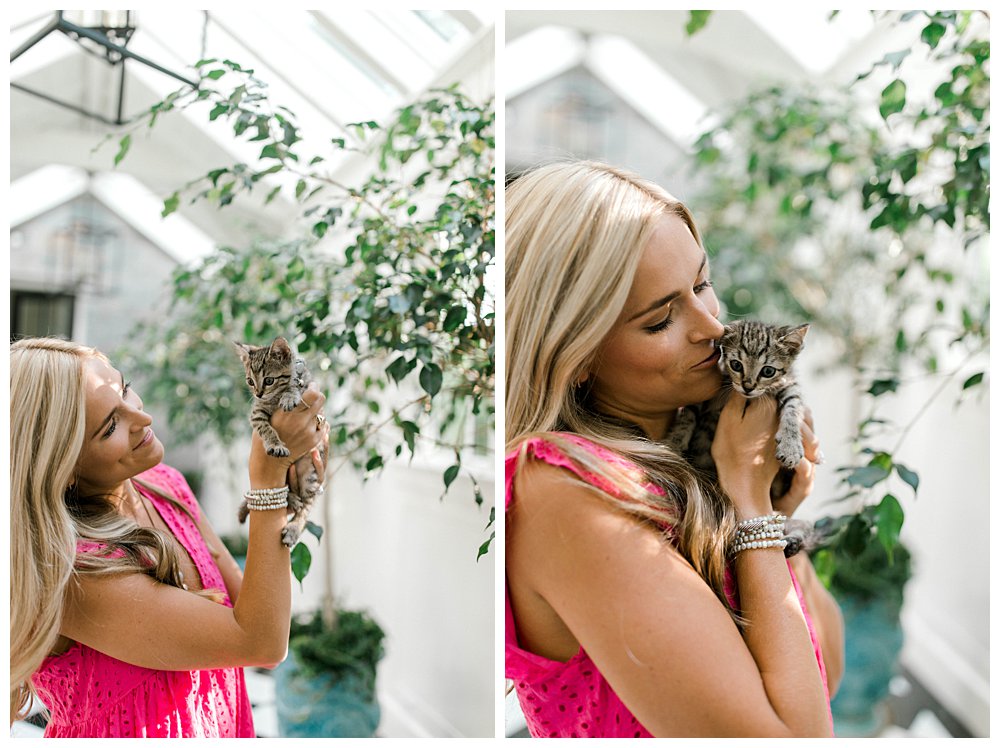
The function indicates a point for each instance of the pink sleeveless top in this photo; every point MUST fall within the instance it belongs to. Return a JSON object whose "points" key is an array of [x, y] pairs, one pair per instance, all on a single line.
{"points": [[93, 695], [572, 699]]}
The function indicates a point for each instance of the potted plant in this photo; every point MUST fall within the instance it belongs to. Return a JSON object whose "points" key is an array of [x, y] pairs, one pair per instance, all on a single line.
{"points": [[384, 291], [868, 582]]}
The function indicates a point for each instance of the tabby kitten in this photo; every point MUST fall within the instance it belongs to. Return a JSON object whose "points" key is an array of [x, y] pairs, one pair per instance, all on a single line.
{"points": [[277, 378], [755, 359]]}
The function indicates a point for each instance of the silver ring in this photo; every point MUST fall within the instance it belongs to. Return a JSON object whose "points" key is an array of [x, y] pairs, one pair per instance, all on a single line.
{"points": [[320, 420]]}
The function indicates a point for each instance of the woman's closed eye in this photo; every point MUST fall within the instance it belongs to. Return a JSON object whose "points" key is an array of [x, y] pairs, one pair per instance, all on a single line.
{"points": [[668, 320], [114, 419]]}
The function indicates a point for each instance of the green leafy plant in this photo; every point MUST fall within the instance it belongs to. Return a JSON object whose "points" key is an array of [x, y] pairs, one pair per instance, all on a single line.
{"points": [[385, 291], [351, 650], [844, 219]]}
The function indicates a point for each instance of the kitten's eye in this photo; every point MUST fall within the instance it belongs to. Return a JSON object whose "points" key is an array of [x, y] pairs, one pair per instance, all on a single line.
{"points": [[268, 381], [249, 381], [736, 366], [767, 372]]}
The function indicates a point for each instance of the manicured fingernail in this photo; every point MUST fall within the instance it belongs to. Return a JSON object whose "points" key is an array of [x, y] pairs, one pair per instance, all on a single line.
{"points": [[820, 459]]}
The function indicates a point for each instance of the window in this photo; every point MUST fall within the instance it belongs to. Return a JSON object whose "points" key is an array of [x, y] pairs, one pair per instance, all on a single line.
{"points": [[35, 314]]}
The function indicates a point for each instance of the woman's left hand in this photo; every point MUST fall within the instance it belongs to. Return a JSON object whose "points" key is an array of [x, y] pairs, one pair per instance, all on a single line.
{"points": [[805, 472]]}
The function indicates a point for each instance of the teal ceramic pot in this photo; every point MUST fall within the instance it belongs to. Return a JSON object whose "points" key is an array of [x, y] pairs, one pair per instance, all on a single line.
{"points": [[318, 707], [873, 638]]}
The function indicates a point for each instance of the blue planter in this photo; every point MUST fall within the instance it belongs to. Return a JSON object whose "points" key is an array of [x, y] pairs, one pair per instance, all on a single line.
{"points": [[873, 638], [318, 707]]}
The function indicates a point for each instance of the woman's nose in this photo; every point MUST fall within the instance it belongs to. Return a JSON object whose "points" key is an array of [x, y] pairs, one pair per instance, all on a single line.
{"points": [[707, 325]]}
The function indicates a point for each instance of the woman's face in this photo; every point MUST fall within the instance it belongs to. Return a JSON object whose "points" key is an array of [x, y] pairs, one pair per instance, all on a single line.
{"points": [[661, 354], [118, 442]]}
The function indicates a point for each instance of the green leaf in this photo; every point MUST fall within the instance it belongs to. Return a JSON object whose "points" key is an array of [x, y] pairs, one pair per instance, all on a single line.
{"points": [[123, 145], [867, 476], [893, 98], [485, 547], [455, 317], [170, 204], [374, 463], [315, 529], [889, 521], [272, 194], [217, 111], [824, 564], [881, 386], [431, 378], [300, 188], [932, 34], [696, 21], [909, 477], [215, 74], [450, 474], [301, 561], [973, 380]]}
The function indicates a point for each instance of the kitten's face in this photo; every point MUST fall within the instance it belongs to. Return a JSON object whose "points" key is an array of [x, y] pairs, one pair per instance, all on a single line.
{"points": [[757, 357], [268, 368]]}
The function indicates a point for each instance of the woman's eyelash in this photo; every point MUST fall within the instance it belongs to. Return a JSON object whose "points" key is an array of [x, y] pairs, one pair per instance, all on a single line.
{"points": [[111, 428], [126, 388], [660, 325]]}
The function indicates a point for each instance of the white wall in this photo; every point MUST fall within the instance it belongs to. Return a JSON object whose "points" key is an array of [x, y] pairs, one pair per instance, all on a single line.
{"points": [[947, 608]]}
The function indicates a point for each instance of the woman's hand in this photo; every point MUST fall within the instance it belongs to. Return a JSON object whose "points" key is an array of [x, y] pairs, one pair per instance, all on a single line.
{"points": [[744, 452], [299, 429], [805, 472]]}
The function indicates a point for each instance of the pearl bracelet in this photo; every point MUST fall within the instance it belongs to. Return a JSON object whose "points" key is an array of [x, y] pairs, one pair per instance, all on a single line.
{"points": [[263, 499], [761, 522], [753, 544], [777, 531]]}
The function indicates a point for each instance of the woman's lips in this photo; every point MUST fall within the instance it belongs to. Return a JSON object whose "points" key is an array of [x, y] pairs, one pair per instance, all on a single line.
{"points": [[145, 440], [708, 362]]}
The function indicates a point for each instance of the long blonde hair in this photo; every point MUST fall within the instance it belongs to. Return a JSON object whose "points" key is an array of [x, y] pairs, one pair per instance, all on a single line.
{"points": [[575, 233], [47, 515]]}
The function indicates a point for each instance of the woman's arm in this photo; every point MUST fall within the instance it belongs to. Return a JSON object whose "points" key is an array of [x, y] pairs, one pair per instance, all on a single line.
{"points": [[138, 620], [656, 631], [827, 619]]}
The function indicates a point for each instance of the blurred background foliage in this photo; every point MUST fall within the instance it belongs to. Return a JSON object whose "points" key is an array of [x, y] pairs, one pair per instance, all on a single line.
{"points": [[868, 219]]}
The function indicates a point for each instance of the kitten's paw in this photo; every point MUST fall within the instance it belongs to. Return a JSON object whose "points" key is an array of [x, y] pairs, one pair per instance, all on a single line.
{"points": [[290, 535], [790, 452], [278, 450]]}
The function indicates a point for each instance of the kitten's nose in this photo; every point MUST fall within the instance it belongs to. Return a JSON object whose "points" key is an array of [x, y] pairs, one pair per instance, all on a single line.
{"points": [[747, 389]]}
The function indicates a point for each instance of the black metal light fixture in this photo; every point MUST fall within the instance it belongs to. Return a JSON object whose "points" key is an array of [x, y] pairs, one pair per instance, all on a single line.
{"points": [[104, 33]]}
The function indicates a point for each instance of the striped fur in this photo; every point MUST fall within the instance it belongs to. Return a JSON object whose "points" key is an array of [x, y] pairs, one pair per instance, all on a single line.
{"points": [[756, 359], [277, 378]]}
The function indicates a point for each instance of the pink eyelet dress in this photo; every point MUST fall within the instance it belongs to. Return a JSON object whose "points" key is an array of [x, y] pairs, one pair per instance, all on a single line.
{"points": [[572, 699], [91, 694]]}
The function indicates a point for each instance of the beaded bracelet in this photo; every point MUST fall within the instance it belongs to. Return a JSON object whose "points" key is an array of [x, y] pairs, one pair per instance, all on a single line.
{"points": [[753, 544], [263, 499], [761, 522], [773, 532]]}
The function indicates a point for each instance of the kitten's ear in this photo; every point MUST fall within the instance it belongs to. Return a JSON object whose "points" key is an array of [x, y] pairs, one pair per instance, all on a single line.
{"points": [[794, 337], [281, 348], [243, 350]]}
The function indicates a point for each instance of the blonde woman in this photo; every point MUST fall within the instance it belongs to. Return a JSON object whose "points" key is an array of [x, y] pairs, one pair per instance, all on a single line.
{"points": [[128, 616], [627, 613]]}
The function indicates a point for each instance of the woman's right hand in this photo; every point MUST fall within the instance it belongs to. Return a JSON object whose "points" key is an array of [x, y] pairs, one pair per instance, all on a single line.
{"points": [[744, 452], [301, 432]]}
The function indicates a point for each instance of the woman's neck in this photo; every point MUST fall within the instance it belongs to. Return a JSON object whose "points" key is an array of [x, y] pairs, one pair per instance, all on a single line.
{"points": [[123, 496]]}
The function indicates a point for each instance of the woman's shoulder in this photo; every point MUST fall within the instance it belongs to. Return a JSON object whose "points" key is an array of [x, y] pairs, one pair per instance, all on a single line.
{"points": [[548, 456]]}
